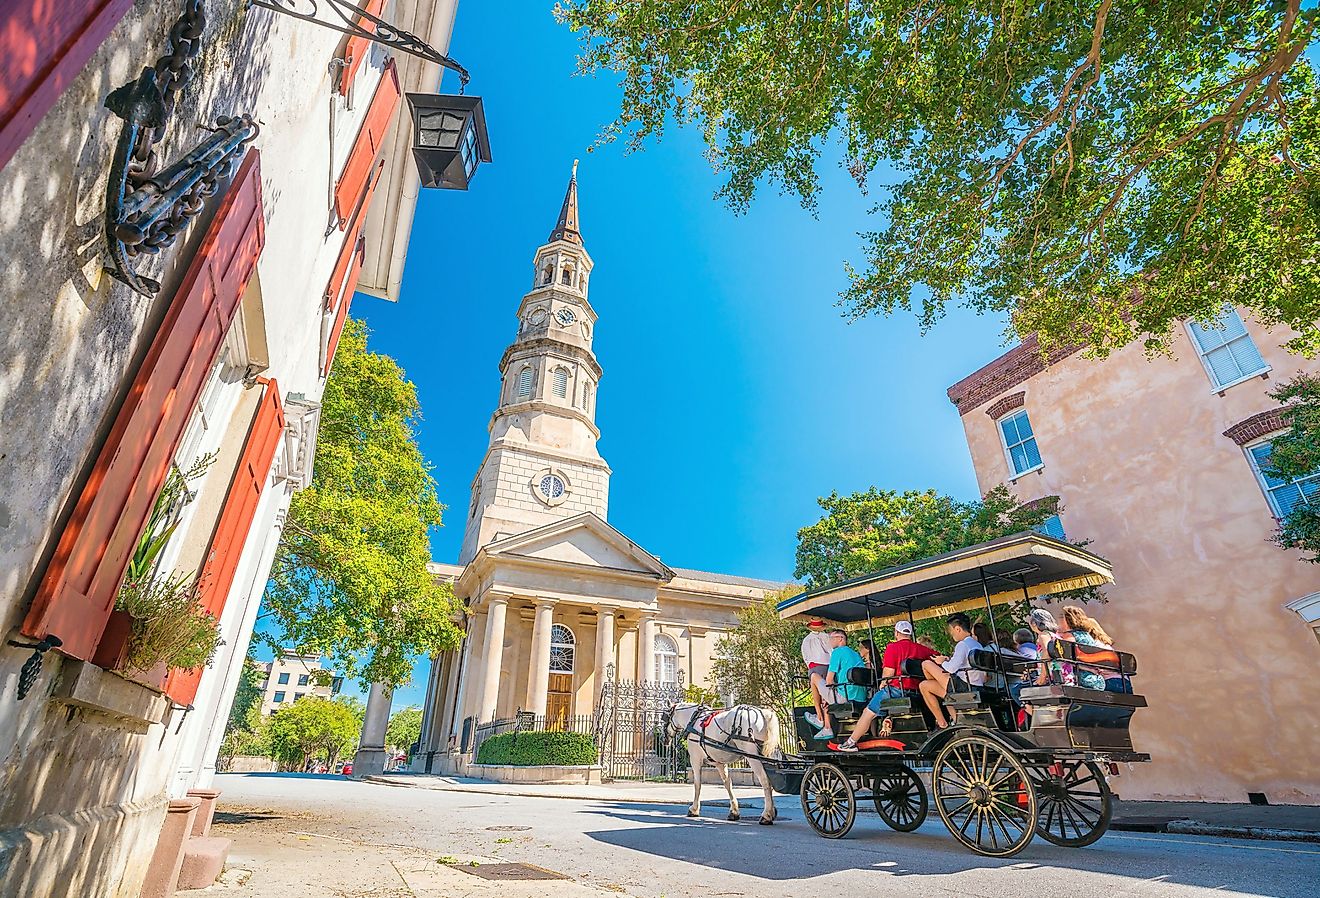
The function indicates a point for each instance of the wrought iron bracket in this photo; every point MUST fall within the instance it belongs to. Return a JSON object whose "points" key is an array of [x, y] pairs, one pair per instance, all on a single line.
{"points": [[350, 19], [27, 677]]}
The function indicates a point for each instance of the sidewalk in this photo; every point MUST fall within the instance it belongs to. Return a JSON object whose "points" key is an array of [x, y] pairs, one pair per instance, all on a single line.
{"points": [[269, 861], [1299, 823]]}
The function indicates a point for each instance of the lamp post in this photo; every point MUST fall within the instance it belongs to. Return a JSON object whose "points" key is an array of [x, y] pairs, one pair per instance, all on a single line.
{"points": [[449, 139]]}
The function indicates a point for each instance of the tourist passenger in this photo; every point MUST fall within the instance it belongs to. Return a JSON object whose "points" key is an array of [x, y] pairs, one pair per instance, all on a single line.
{"points": [[954, 672], [869, 655], [893, 684], [816, 656], [1025, 642], [843, 658], [1086, 630]]}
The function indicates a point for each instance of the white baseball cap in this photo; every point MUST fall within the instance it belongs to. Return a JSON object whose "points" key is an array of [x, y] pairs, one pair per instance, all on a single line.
{"points": [[903, 627]]}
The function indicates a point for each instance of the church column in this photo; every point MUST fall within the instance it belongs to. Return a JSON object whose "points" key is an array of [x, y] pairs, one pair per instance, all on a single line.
{"points": [[538, 678], [646, 648], [604, 646], [492, 658], [470, 688]]}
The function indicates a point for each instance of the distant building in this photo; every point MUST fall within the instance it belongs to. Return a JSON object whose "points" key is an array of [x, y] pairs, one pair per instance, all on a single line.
{"points": [[290, 677], [1161, 464]]}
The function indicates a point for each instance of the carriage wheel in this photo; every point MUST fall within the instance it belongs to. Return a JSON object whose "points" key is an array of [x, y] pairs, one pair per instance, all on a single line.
{"points": [[1075, 809], [984, 796], [828, 801], [900, 798]]}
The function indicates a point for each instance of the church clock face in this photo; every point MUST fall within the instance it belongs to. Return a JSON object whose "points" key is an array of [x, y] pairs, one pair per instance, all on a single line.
{"points": [[565, 317]]}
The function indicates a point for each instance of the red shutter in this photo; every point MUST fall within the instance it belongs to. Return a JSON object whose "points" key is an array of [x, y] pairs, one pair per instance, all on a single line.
{"points": [[78, 590], [234, 524], [343, 280], [358, 47], [353, 179], [44, 44]]}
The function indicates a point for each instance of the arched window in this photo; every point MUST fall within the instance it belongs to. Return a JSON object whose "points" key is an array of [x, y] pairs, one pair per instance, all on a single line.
{"points": [[546, 274], [587, 388], [561, 382], [666, 659], [562, 646], [566, 277], [525, 382]]}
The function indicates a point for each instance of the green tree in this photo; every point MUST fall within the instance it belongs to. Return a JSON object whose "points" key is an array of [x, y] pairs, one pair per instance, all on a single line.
{"points": [[350, 581], [1295, 454], [314, 728], [754, 662], [404, 729], [1098, 170], [866, 532]]}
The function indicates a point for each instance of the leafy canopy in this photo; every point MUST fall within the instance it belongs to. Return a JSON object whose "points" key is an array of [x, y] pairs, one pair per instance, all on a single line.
{"points": [[315, 727], [404, 729], [350, 580], [869, 531], [1295, 454], [1097, 169]]}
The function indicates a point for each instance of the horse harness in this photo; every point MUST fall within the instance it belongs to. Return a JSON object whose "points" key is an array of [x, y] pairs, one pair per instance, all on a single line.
{"points": [[704, 719]]}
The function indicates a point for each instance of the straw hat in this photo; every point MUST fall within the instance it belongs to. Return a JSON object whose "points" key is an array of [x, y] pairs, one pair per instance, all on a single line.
{"points": [[815, 624]]}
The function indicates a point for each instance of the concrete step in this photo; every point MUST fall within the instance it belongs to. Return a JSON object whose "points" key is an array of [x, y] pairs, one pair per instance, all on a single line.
{"points": [[203, 860]]}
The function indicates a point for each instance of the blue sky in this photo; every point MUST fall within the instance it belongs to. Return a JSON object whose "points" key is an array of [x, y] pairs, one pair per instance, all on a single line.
{"points": [[734, 392]]}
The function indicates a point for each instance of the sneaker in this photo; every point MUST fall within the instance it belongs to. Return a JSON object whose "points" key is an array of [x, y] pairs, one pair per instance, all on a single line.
{"points": [[813, 720], [825, 733], [847, 745]]}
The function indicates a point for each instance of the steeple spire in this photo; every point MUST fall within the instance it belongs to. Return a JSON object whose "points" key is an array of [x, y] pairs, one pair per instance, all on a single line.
{"points": [[567, 226]]}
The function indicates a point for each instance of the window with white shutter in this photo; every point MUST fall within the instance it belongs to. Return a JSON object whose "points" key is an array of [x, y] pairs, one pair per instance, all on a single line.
{"points": [[1019, 443], [561, 383], [666, 659], [1284, 494], [1229, 354], [525, 383]]}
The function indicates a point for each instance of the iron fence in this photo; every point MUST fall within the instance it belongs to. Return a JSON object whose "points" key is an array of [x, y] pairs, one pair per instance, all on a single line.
{"points": [[630, 732], [526, 722]]}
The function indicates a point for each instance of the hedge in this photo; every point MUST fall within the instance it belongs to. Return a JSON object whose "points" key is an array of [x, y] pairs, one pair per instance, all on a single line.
{"points": [[538, 749]]}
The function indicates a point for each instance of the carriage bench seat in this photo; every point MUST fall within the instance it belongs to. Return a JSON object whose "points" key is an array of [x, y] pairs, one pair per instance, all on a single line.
{"points": [[1053, 695], [898, 705], [970, 698]]}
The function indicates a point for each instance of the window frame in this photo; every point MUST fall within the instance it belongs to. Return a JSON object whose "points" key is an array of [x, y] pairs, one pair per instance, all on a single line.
{"points": [[1014, 474], [661, 654], [282, 679], [560, 373], [1202, 353], [278, 697], [571, 645], [1275, 511], [518, 382]]}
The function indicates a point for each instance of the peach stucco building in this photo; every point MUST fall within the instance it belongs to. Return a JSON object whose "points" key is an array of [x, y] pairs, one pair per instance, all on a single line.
{"points": [[1157, 462]]}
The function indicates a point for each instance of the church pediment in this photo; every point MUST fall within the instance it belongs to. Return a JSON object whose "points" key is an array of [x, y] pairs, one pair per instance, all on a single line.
{"points": [[583, 540]]}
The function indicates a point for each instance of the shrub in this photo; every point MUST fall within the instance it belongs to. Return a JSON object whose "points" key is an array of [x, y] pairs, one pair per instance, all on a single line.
{"points": [[538, 750]]}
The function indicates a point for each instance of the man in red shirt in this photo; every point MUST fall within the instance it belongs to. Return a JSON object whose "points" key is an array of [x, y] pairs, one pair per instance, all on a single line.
{"points": [[900, 650]]}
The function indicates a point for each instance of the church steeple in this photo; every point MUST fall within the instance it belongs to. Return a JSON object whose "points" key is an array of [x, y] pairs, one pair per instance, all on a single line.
{"points": [[542, 463], [567, 226]]}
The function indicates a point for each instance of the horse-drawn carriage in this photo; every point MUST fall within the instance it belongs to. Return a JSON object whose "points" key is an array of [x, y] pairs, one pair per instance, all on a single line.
{"points": [[995, 782], [996, 779]]}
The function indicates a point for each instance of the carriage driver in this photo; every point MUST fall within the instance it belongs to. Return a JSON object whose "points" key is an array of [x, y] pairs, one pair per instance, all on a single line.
{"points": [[816, 648]]}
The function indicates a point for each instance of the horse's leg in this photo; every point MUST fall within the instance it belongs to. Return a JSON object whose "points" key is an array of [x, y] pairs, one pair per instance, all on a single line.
{"points": [[728, 786], [697, 757], [768, 815]]}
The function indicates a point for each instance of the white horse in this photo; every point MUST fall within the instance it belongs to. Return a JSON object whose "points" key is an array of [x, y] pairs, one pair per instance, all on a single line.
{"points": [[746, 728]]}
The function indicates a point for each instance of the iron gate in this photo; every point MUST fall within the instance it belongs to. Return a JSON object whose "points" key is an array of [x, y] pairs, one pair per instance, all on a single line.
{"points": [[630, 733]]}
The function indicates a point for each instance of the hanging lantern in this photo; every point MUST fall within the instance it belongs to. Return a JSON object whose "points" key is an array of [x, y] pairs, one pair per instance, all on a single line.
{"points": [[449, 139]]}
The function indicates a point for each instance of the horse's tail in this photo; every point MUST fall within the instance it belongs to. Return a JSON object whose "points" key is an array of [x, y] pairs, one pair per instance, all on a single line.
{"points": [[770, 747]]}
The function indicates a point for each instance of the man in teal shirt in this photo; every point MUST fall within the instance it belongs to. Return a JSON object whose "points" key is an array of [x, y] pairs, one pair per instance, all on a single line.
{"points": [[843, 658]]}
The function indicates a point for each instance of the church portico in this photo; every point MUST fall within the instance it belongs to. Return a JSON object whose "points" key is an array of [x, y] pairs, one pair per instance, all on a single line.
{"points": [[555, 596]]}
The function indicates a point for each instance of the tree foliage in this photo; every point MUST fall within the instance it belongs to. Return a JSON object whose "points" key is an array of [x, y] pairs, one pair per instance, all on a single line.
{"points": [[869, 531], [1295, 454], [1096, 169], [315, 728], [754, 662], [247, 697], [404, 729], [350, 581]]}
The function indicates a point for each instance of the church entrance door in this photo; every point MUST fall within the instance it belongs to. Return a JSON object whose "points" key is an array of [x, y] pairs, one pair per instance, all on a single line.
{"points": [[559, 701]]}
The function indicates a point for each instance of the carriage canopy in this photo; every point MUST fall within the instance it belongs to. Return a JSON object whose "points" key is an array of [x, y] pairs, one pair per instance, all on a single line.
{"points": [[1008, 569]]}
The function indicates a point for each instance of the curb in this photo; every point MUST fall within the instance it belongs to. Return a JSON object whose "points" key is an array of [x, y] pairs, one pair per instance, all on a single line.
{"points": [[640, 799], [1198, 828]]}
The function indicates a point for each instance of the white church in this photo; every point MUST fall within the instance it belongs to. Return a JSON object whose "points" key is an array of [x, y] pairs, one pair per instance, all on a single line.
{"points": [[554, 593]]}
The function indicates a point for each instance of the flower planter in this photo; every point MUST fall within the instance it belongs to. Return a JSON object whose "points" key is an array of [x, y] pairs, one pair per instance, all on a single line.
{"points": [[112, 653]]}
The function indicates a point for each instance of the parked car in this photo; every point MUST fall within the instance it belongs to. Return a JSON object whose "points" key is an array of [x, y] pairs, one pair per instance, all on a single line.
{"points": [[347, 770]]}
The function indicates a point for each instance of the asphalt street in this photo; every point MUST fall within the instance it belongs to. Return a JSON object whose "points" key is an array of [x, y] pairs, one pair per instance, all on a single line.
{"points": [[653, 850]]}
